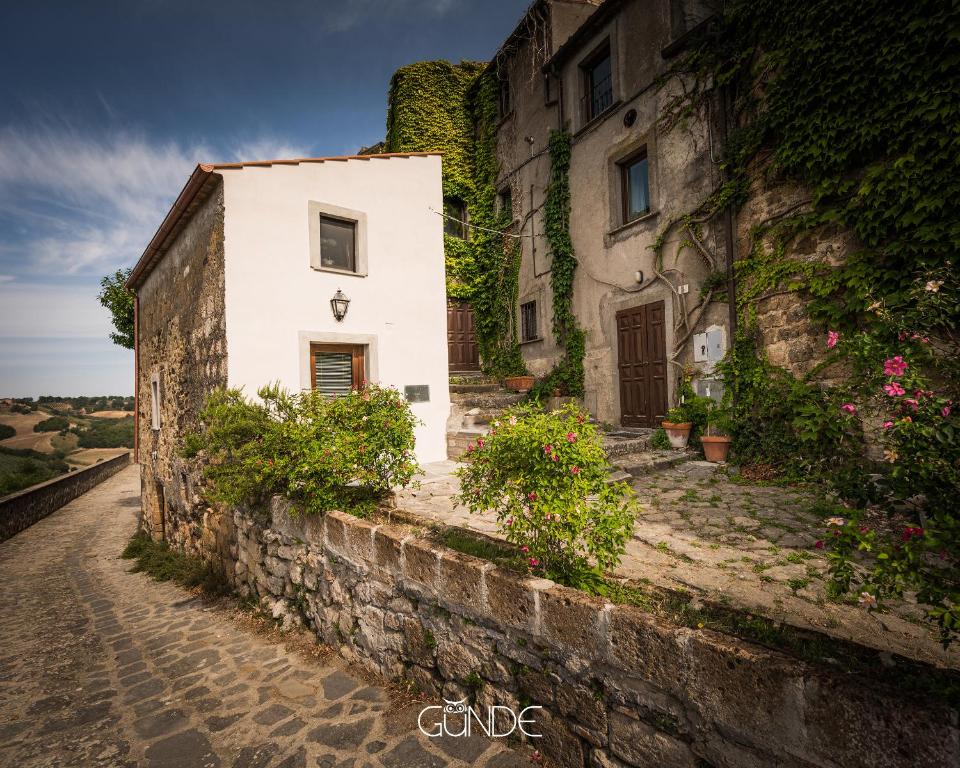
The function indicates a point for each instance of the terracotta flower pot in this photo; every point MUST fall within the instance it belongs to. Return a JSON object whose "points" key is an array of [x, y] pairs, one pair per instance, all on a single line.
{"points": [[715, 447], [519, 383], [677, 433]]}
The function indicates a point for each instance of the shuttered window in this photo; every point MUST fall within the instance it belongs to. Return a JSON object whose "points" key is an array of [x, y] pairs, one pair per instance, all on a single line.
{"points": [[336, 369]]}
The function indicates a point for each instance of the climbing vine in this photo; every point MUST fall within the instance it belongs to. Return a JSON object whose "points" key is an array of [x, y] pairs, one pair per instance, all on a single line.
{"points": [[855, 103], [452, 108], [567, 374]]}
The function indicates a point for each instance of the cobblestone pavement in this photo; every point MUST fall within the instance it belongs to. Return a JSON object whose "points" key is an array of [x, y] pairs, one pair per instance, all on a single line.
{"points": [[101, 667], [747, 545]]}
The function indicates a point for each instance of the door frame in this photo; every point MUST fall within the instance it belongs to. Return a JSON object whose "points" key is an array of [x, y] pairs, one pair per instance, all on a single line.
{"points": [[451, 368], [631, 307]]}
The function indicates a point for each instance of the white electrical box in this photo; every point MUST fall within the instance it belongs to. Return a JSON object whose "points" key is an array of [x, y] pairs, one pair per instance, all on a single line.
{"points": [[709, 347]]}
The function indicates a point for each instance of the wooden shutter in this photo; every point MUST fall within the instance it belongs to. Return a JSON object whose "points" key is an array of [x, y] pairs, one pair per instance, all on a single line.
{"points": [[336, 369]]}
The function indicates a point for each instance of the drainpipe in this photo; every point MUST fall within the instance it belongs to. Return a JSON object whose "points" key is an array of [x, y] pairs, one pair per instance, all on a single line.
{"points": [[136, 378], [728, 216]]}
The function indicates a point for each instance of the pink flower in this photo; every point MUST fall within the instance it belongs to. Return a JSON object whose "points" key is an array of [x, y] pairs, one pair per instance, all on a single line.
{"points": [[534, 562], [849, 408], [909, 533], [509, 521], [893, 389], [480, 443], [911, 402], [555, 457], [818, 545], [894, 366], [888, 425], [524, 549], [532, 496], [832, 338], [571, 437], [548, 449], [945, 411], [574, 470], [470, 448]]}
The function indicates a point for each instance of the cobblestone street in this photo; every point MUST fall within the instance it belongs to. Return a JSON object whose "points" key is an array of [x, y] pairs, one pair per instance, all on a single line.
{"points": [[100, 667]]}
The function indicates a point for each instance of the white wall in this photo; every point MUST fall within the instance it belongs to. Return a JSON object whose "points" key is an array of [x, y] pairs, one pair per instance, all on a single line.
{"points": [[276, 304]]}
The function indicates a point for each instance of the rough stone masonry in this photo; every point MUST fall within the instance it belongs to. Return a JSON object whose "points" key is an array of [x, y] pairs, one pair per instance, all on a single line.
{"points": [[618, 686]]}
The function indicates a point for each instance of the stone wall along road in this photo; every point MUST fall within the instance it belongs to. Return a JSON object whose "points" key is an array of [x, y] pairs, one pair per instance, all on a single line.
{"points": [[101, 667]]}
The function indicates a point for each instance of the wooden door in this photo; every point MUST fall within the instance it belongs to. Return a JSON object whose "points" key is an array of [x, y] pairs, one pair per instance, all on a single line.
{"points": [[462, 349], [642, 365]]}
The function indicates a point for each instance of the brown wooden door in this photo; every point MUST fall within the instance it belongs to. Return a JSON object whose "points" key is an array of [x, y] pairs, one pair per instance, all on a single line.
{"points": [[462, 349], [642, 365]]}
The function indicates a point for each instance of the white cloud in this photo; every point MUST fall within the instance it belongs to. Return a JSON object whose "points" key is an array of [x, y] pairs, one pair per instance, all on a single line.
{"points": [[269, 149], [6, 279], [32, 309], [87, 205]]}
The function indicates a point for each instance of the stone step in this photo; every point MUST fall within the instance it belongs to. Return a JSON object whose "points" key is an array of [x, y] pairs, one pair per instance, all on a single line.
{"points": [[642, 464], [457, 442], [463, 389], [491, 398], [620, 444]]}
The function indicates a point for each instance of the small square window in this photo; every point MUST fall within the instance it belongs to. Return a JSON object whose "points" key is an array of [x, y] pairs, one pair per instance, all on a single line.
{"points": [[635, 186], [338, 239], [455, 221], [336, 369], [528, 321], [505, 202]]}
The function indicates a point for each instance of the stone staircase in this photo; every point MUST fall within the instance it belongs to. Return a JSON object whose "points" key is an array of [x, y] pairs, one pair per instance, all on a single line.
{"points": [[475, 401]]}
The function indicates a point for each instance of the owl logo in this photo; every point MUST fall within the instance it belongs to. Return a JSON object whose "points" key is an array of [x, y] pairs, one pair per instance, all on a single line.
{"points": [[454, 707]]}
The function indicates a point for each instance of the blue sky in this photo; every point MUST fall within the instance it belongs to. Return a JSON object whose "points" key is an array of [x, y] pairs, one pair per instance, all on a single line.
{"points": [[107, 105]]}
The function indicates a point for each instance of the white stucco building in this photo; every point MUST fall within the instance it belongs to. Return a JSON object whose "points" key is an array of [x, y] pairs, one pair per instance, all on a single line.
{"points": [[270, 245]]}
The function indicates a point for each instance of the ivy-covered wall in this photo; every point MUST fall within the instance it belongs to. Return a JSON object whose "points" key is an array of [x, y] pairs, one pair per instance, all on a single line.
{"points": [[452, 108]]}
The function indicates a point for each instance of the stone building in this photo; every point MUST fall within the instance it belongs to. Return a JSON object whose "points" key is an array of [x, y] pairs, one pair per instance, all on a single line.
{"points": [[593, 69], [629, 180], [286, 271]]}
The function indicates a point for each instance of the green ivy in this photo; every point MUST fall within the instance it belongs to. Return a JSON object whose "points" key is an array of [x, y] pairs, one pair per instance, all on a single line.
{"points": [[452, 108], [567, 375]]}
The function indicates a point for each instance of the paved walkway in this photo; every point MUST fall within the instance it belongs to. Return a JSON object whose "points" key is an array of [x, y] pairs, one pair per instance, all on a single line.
{"points": [[747, 545], [101, 667]]}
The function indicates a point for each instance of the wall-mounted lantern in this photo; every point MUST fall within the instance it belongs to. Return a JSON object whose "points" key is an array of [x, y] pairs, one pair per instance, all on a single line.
{"points": [[339, 304]]}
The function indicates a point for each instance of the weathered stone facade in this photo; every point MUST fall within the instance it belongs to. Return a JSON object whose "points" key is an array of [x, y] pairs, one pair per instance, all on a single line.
{"points": [[545, 69], [619, 687], [181, 344]]}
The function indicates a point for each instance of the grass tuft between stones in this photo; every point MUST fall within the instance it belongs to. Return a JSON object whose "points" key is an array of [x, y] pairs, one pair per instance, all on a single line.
{"points": [[158, 560]]}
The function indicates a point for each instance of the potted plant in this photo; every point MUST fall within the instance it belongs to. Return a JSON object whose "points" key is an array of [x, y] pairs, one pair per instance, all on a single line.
{"points": [[716, 447], [522, 383], [677, 426]]}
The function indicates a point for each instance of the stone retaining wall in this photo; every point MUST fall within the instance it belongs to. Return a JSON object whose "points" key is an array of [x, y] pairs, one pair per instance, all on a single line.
{"points": [[22, 509], [619, 687]]}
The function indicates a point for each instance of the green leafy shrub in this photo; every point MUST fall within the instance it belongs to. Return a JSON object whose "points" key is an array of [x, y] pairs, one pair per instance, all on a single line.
{"points": [[53, 424], [159, 561], [545, 475], [7, 431], [339, 453], [659, 440], [692, 409]]}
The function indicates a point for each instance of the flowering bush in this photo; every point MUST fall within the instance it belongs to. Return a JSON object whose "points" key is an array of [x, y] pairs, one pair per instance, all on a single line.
{"points": [[905, 380], [324, 453], [545, 475]]}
